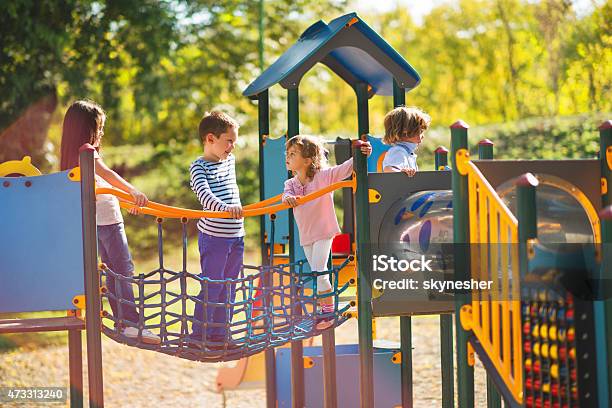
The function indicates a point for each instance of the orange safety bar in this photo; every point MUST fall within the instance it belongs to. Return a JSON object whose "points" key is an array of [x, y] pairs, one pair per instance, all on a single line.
{"points": [[494, 316], [252, 210], [267, 201]]}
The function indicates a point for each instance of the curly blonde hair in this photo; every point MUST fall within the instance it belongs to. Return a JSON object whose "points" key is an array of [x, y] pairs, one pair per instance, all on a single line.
{"points": [[405, 121], [310, 147]]}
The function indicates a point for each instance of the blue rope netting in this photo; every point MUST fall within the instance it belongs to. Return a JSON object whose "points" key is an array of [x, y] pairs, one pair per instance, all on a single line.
{"points": [[274, 305]]}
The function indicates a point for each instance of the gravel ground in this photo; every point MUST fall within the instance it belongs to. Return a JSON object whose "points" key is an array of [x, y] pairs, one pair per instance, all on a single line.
{"points": [[140, 378]]}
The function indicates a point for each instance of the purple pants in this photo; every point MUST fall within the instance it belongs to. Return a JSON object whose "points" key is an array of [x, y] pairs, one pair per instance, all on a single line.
{"points": [[220, 258]]}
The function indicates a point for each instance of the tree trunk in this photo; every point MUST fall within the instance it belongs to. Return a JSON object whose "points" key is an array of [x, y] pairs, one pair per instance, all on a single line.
{"points": [[27, 135], [511, 66]]}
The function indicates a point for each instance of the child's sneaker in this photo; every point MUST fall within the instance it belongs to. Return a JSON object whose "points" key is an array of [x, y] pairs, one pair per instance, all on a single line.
{"points": [[325, 317], [147, 337], [218, 343]]}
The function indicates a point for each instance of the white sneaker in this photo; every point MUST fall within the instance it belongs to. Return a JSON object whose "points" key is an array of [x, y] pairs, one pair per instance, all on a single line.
{"points": [[147, 337], [130, 332]]}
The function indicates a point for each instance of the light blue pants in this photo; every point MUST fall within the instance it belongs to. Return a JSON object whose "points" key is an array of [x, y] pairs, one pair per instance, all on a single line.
{"points": [[115, 253]]}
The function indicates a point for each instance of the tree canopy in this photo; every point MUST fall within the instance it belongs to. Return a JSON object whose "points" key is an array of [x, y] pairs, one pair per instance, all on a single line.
{"points": [[533, 74], [156, 66], [486, 61]]}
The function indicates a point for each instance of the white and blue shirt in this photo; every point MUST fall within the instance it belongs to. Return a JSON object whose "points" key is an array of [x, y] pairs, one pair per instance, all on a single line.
{"points": [[215, 185], [401, 156]]}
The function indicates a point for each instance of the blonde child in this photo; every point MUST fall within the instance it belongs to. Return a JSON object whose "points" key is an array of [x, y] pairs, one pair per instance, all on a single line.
{"points": [[316, 219], [84, 123], [404, 129]]}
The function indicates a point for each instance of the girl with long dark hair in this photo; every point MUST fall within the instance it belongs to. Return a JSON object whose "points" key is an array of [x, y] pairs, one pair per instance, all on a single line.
{"points": [[84, 123]]}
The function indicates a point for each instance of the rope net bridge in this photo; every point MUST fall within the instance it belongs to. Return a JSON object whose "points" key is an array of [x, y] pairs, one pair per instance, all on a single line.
{"points": [[268, 305]]}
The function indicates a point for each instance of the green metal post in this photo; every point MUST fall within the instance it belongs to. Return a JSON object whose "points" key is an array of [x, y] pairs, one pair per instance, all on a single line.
{"points": [[461, 238], [441, 157], [399, 99], [485, 149], [406, 364], [399, 95], [263, 108], [297, 348], [605, 157], [526, 212], [446, 360], [485, 152], [446, 321], [603, 308], [364, 289], [328, 343], [92, 282]]}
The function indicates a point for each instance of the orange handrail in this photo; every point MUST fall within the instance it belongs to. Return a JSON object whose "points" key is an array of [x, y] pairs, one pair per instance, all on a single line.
{"points": [[264, 203], [252, 210]]}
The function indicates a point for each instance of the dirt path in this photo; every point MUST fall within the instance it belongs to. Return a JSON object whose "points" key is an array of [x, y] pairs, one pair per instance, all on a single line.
{"points": [[139, 378]]}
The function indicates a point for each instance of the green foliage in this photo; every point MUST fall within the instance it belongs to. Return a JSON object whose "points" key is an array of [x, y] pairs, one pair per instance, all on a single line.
{"points": [[6, 344], [155, 66], [514, 69], [558, 138], [84, 47], [575, 137], [484, 61]]}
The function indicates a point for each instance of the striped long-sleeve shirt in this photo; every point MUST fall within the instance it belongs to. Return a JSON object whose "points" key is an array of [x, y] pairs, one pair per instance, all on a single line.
{"points": [[215, 185]]}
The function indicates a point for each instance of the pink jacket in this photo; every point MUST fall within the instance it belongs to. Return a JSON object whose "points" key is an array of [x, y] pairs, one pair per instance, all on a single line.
{"points": [[316, 219]]}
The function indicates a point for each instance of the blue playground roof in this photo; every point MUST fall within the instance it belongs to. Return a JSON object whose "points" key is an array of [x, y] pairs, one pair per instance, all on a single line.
{"points": [[350, 48]]}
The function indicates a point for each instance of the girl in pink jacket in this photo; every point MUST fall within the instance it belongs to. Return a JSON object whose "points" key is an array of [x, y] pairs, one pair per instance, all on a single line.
{"points": [[316, 219]]}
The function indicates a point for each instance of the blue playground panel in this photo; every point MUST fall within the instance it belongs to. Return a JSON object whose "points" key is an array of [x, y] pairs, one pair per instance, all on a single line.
{"points": [[41, 243], [387, 377], [275, 174], [378, 148]]}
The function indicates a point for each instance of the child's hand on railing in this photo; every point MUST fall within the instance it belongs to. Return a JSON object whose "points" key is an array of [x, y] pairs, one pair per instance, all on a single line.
{"points": [[140, 199], [366, 148], [291, 201], [409, 171], [235, 211], [135, 210]]}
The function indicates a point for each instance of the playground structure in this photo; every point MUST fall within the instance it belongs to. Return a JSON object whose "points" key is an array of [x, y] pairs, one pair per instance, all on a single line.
{"points": [[536, 349], [63, 271], [509, 328]]}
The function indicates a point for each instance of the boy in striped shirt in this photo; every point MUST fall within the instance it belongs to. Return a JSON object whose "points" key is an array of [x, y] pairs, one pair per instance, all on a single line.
{"points": [[220, 240]]}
